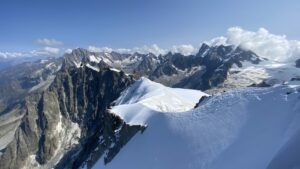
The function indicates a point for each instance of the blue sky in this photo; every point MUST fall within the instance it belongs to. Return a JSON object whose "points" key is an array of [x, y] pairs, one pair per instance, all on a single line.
{"points": [[132, 23]]}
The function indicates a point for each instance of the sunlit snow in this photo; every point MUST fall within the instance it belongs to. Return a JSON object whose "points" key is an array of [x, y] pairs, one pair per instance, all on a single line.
{"points": [[248, 128]]}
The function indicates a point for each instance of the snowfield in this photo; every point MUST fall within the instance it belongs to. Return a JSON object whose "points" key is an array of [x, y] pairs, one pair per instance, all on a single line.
{"points": [[253, 128]]}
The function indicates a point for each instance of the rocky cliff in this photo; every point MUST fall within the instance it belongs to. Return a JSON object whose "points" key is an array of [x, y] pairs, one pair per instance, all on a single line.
{"points": [[60, 127]]}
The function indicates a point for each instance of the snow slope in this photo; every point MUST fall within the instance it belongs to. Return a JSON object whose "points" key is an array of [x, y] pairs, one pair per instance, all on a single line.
{"points": [[148, 97], [241, 129]]}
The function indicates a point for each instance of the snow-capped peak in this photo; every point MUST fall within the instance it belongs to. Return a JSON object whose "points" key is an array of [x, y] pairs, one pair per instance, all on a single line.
{"points": [[146, 96]]}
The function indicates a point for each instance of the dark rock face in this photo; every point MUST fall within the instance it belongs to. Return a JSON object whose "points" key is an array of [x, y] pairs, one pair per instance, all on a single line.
{"points": [[173, 63], [262, 84], [216, 63], [108, 141], [298, 63], [147, 64], [76, 57], [297, 78], [77, 97], [202, 99], [165, 69]]}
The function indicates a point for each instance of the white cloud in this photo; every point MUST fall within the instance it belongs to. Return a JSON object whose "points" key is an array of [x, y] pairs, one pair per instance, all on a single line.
{"points": [[68, 51], [6, 55], [155, 49], [49, 42], [46, 51], [184, 49], [217, 41], [143, 50], [102, 49], [123, 50], [262, 42], [52, 50]]}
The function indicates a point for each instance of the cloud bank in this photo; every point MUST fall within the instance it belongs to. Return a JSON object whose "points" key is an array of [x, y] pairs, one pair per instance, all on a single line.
{"points": [[6, 55], [155, 49], [50, 47], [184, 49], [262, 42], [276, 47], [46, 51]]}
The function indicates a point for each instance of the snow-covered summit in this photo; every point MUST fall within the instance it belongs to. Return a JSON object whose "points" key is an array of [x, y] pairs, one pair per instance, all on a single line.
{"points": [[146, 96], [249, 128], [159, 97]]}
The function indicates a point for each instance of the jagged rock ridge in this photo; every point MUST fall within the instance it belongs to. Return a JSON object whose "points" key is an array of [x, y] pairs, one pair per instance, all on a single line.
{"points": [[61, 126]]}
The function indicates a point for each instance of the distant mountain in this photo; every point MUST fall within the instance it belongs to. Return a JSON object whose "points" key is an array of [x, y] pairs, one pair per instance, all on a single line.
{"points": [[140, 64]]}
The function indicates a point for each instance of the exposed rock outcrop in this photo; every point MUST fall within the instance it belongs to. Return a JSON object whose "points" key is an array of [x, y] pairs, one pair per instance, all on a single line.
{"points": [[61, 126]]}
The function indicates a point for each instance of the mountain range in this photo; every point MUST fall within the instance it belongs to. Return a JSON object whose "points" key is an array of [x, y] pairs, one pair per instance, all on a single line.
{"points": [[112, 110]]}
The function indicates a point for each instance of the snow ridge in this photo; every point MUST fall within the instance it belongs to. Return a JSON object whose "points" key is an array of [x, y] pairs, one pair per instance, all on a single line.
{"points": [[146, 97], [246, 128]]}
